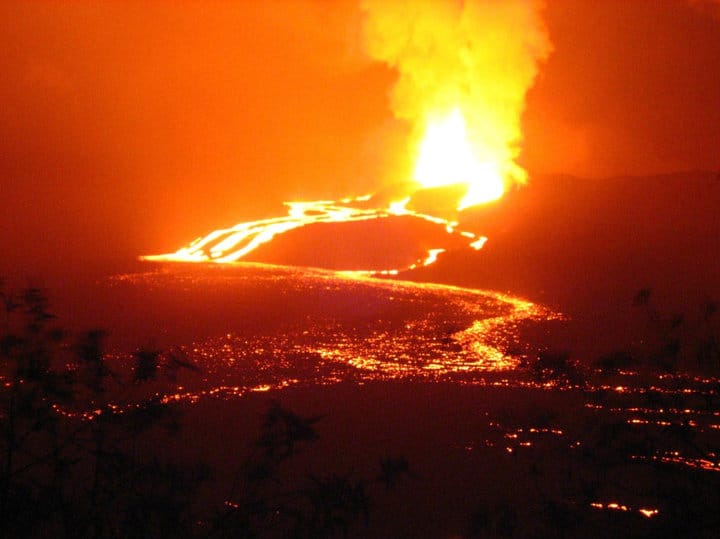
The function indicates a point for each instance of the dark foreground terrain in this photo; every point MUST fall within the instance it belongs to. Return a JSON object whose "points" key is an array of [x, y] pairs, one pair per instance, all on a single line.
{"points": [[606, 423]]}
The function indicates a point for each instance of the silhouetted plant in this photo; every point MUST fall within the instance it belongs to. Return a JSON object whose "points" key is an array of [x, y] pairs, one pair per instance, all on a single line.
{"points": [[632, 447], [616, 361], [393, 470], [497, 520], [262, 502], [680, 340], [283, 431], [336, 502], [72, 462], [553, 366], [69, 464]]}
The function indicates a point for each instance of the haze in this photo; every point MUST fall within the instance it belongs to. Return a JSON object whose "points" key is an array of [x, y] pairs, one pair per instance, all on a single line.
{"points": [[129, 128]]}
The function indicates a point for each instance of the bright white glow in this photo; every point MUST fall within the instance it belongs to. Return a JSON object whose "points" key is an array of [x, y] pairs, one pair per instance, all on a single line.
{"points": [[447, 157]]}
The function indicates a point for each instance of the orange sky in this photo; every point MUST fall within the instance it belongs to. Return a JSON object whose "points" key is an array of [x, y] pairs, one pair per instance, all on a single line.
{"points": [[131, 127]]}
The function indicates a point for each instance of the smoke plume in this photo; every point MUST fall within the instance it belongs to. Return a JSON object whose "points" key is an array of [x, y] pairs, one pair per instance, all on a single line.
{"points": [[476, 56]]}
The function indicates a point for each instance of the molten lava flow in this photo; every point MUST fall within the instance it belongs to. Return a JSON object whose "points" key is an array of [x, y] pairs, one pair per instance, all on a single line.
{"points": [[614, 506], [232, 244], [463, 71], [447, 157]]}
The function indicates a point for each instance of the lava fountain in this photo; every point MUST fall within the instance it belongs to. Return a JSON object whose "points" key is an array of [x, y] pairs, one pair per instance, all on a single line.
{"points": [[463, 71], [446, 157]]}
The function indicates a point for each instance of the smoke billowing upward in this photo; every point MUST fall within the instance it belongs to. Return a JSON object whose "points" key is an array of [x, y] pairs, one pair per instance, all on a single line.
{"points": [[478, 57]]}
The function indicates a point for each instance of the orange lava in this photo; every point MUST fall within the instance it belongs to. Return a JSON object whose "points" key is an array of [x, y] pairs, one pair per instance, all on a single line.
{"points": [[232, 244]]}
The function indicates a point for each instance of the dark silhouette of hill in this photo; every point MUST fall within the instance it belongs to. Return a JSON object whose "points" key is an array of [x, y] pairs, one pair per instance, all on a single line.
{"points": [[587, 246]]}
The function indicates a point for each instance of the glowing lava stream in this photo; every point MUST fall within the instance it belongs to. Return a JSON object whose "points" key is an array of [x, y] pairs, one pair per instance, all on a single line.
{"points": [[232, 244], [446, 157], [463, 71]]}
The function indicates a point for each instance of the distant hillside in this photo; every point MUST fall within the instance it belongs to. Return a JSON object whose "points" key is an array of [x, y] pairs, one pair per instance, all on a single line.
{"points": [[574, 243], [587, 246]]}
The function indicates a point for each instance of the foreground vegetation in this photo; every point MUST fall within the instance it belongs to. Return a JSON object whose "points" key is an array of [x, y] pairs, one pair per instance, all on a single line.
{"points": [[625, 445], [82, 449]]}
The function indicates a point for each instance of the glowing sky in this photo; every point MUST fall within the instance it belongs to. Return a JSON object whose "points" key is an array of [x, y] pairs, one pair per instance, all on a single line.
{"points": [[130, 127]]}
